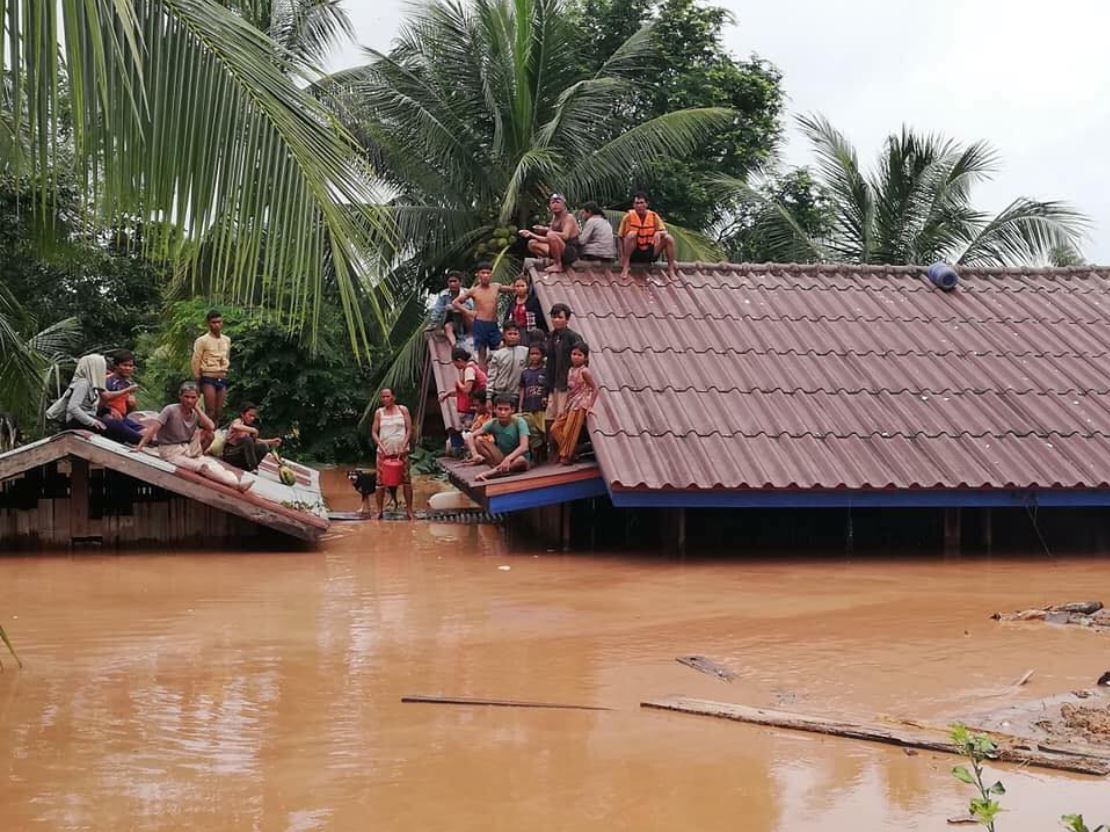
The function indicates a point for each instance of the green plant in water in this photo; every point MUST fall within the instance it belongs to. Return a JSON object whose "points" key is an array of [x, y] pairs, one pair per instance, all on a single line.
{"points": [[984, 808], [1074, 823], [8, 644], [978, 748]]}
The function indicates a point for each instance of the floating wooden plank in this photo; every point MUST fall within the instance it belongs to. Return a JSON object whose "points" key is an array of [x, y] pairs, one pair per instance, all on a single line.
{"points": [[497, 703], [707, 666], [906, 737]]}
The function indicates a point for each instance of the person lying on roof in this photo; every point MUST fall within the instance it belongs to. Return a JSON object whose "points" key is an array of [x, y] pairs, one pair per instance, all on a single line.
{"points": [[180, 430], [644, 237]]}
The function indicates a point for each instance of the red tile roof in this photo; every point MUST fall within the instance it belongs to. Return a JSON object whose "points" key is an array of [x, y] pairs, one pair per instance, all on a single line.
{"points": [[819, 377]]}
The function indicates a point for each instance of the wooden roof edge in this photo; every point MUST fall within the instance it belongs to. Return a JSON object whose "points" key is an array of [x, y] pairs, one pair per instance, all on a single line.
{"points": [[301, 525]]}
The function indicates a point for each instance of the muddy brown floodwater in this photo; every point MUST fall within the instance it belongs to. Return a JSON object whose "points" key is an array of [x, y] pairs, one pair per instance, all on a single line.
{"points": [[262, 691]]}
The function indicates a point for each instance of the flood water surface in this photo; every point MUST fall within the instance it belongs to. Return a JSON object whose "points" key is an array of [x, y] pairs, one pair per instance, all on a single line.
{"points": [[262, 691]]}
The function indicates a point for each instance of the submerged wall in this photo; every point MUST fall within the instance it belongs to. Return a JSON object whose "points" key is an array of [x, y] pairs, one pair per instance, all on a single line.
{"points": [[69, 502]]}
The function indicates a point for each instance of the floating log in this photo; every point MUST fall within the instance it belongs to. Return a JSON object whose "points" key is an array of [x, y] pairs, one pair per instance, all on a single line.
{"points": [[905, 737], [498, 703], [707, 666]]}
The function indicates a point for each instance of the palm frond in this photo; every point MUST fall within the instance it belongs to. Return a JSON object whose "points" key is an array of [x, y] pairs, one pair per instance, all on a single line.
{"points": [[183, 118], [310, 29], [606, 172], [784, 236], [853, 201], [1025, 231]]}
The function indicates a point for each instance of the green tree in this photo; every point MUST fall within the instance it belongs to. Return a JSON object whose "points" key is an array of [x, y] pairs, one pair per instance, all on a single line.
{"points": [[182, 116], [690, 68], [746, 237], [915, 207], [480, 111], [311, 398]]}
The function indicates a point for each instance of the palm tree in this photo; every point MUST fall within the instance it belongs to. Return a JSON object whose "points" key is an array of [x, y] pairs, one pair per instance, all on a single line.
{"points": [[307, 30], [181, 115], [478, 113], [30, 359], [913, 208]]}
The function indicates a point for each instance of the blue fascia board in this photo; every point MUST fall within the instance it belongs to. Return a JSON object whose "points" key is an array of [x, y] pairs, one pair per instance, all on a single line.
{"points": [[955, 498], [551, 495]]}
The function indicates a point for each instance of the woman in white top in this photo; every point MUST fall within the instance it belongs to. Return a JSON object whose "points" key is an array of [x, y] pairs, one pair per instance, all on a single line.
{"points": [[392, 433]]}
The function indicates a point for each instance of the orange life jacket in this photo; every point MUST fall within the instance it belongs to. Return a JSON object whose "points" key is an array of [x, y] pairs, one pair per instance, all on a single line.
{"points": [[645, 228]]}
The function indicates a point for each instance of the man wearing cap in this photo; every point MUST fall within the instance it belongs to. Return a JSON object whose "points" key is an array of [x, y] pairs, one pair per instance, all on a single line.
{"points": [[558, 240]]}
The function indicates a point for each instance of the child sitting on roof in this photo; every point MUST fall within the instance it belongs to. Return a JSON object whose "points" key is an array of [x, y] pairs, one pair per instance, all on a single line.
{"points": [[508, 453], [581, 395]]}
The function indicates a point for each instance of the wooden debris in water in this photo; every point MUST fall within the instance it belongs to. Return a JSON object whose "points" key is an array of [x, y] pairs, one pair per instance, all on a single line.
{"points": [[497, 703], [1090, 614], [1024, 678], [1026, 753], [960, 819], [707, 666]]}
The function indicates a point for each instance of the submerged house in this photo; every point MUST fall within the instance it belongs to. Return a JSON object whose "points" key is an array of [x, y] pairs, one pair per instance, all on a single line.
{"points": [[77, 488], [833, 390]]}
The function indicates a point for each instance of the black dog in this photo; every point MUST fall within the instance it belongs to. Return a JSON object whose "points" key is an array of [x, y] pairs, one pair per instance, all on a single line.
{"points": [[366, 483]]}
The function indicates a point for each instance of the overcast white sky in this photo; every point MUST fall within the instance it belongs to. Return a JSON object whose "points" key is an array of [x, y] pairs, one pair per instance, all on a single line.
{"points": [[1033, 78]]}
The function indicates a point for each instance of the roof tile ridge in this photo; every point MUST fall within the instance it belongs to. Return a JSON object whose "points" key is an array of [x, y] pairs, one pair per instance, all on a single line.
{"points": [[855, 391], [875, 434]]}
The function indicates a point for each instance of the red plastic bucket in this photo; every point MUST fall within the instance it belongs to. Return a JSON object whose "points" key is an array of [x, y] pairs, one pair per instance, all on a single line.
{"points": [[393, 471]]}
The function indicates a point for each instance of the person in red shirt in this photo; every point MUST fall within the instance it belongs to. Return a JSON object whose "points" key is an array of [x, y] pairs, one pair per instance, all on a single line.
{"points": [[470, 389]]}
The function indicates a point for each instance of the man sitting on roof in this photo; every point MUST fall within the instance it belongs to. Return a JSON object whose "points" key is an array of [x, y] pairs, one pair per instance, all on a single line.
{"points": [[455, 324], [179, 429], [509, 451], [644, 237], [557, 240]]}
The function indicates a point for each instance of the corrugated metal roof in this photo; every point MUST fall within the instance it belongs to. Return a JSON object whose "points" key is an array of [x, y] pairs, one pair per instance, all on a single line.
{"points": [[819, 377], [445, 375]]}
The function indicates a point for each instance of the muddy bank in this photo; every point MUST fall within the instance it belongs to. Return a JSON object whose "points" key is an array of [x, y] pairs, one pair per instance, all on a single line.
{"points": [[227, 692]]}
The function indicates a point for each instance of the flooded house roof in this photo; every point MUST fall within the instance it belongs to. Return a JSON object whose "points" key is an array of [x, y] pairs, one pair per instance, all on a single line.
{"points": [[296, 511], [734, 382]]}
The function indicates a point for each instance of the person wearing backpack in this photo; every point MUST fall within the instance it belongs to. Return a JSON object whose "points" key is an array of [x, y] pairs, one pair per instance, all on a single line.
{"points": [[78, 407]]}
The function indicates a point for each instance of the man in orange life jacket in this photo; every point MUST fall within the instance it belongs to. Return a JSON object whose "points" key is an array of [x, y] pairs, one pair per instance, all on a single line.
{"points": [[643, 237]]}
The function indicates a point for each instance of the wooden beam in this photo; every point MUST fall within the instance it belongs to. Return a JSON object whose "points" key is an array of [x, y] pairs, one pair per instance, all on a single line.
{"points": [[906, 737], [425, 383], [496, 703], [78, 498], [302, 525], [32, 456]]}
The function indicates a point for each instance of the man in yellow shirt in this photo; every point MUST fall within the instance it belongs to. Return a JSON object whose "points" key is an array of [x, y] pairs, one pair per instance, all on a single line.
{"points": [[643, 237], [211, 360]]}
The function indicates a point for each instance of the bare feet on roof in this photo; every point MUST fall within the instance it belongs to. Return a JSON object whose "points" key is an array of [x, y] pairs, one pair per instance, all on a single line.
{"points": [[554, 268], [624, 273], [244, 485]]}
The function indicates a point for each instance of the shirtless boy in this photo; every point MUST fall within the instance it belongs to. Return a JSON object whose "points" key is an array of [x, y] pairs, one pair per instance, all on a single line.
{"points": [[559, 240], [484, 329]]}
